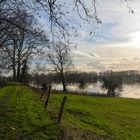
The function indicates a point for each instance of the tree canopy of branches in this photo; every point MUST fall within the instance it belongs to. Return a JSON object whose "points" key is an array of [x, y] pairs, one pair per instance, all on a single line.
{"points": [[20, 44], [59, 57], [59, 14]]}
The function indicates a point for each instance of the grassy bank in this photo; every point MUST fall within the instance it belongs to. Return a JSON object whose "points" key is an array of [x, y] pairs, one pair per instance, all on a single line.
{"points": [[23, 116], [99, 117]]}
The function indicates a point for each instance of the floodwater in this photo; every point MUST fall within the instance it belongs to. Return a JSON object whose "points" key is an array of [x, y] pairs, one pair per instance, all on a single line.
{"points": [[128, 91]]}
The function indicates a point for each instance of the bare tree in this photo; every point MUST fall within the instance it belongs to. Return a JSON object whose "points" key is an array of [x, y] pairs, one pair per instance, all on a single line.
{"points": [[59, 58], [22, 43]]}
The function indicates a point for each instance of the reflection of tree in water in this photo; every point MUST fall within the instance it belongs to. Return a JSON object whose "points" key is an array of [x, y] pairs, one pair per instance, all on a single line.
{"points": [[82, 85]]}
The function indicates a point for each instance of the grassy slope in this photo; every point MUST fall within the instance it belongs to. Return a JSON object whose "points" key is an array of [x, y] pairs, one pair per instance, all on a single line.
{"points": [[114, 118], [22, 116]]}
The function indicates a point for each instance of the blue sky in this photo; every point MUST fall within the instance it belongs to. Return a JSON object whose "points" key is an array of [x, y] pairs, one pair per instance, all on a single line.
{"points": [[115, 45]]}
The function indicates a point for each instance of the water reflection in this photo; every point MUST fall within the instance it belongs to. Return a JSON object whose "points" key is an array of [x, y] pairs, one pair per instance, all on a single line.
{"points": [[131, 91], [128, 91]]}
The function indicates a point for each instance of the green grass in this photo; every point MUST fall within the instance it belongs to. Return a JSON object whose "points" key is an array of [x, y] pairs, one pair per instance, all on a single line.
{"points": [[23, 116], [109, 118]]}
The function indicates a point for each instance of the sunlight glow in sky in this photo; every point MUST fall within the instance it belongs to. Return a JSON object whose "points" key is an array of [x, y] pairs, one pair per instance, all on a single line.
{"points": [[116, 43]]}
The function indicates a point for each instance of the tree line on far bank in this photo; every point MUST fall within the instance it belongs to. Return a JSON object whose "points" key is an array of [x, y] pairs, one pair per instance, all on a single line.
{"points": [[111, 81], [75, 77]]}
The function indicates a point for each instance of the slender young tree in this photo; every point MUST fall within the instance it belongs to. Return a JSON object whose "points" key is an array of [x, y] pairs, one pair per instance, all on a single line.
{"points": [[60, 59]]}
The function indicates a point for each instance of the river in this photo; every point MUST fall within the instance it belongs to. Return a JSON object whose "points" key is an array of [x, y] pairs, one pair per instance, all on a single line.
{"points": [[128, 91]]}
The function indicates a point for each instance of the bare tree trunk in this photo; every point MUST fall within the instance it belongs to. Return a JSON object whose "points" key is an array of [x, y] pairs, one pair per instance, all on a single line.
{"points": [[14, 72], [14, 65], [63, 82], [64, 86], [22, 35], [18, 70]]}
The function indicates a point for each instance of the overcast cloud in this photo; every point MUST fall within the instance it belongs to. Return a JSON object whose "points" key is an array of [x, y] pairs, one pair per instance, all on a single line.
{"points": [[116, 43]]}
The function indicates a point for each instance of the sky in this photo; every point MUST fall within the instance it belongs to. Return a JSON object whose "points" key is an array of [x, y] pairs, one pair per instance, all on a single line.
{"points": [[115, 45]]}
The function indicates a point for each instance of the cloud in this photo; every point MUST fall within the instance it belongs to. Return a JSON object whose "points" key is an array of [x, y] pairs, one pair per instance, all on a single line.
{"points": [[136, 59], [94, 54], [102, 57], [97, 65], [115, 44], [89, 67], [79, 53], [118, 25], [89, 55]]}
